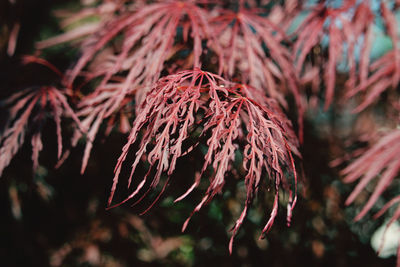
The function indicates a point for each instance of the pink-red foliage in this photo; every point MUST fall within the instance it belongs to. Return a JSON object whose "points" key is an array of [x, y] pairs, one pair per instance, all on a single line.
{"points": [[93, 109], [49, 101], [84, 18], [243, 35], [343, 26], [134, 43], [149, 38], [228, 114], [384, 73], [381, 161]]}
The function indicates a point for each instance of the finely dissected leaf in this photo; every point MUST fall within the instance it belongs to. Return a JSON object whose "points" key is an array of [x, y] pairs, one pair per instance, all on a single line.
{"points": [[149, 36], [385, 72], [309, 35], [28, 109], [93, 110], [243, 36], [229, 116], [12, 138], [380, 160], [311, 30], [344, 27]]}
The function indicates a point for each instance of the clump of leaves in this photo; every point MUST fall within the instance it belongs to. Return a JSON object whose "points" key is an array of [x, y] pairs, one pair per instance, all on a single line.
{"points": [[145, 38], [246, 34], [148, 40], [382, 159], [379, 162], [382, 74], [227, 114], [29, 109], [343, 27], [92, 109]]}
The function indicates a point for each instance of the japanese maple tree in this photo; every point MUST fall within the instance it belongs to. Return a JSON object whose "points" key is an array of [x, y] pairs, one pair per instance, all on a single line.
{"points": [[223, 79]]}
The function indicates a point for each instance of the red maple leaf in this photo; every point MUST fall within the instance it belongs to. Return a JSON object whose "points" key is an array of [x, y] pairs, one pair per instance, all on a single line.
{"points": [[29, 109], [228, 115], [245, 37]]}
